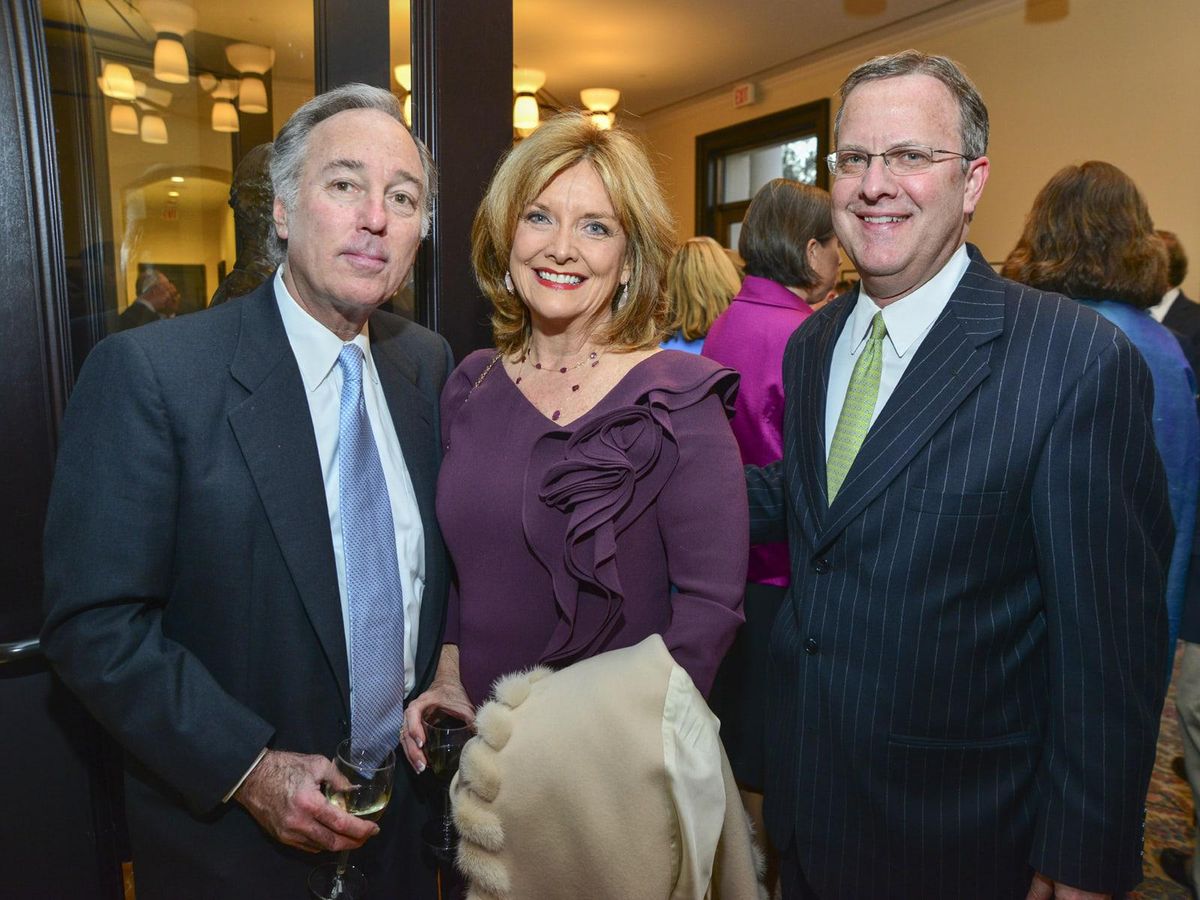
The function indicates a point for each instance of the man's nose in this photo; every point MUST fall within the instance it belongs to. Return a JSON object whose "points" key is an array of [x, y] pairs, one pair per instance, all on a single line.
{"points": [[373, 213], [878, 180]]}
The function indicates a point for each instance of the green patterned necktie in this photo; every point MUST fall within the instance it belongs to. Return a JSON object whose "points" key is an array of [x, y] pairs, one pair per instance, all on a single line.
{"points": [[855, 417]]}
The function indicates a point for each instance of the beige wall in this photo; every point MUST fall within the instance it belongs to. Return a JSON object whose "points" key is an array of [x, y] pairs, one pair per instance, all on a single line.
{"points": [[1112, 80]]}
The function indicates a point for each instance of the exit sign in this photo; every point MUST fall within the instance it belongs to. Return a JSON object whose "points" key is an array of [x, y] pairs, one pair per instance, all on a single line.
{"points": [[744, 94]]}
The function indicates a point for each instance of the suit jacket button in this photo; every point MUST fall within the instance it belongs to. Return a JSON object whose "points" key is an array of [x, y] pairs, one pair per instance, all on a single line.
{"points": [[821, 566], [810, 646]]}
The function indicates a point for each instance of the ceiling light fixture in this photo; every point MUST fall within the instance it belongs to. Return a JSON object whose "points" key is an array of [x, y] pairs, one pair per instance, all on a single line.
{"points": [[178, 179], [252, 61], [526, 84], [224, 117], [122, 119], [154, 129], [171, 19], [600, 103], [116, 81]]}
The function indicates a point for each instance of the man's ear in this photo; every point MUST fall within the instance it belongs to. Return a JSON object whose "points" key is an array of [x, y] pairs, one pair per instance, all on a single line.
{"points": [[279, 214], [977, 176]]}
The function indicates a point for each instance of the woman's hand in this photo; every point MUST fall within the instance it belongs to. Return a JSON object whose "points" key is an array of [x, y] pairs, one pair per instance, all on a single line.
{"points": [[446, 693]]}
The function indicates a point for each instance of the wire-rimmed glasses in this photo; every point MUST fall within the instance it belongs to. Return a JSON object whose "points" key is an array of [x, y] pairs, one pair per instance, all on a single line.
{"points": [[907, 160]]}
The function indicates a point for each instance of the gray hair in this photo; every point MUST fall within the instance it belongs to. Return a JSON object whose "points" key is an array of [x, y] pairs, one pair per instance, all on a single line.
{"points": [[291, 144], [972, 113]]}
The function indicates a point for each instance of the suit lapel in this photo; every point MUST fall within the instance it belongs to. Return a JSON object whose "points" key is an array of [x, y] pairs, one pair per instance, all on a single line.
{"points": [[274, 429], [413, 418], [950, 363]]}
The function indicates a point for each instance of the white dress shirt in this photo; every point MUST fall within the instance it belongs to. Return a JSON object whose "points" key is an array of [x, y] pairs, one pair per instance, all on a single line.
{"points": [[908, 320], [316, 349], [1160, 309]]}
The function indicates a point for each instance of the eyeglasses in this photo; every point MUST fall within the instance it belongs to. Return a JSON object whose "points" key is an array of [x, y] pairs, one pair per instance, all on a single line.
{"points": [[899, 161]]}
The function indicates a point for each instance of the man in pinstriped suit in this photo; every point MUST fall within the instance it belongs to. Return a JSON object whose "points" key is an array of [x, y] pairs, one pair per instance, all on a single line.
{"points": [[967, 678]]}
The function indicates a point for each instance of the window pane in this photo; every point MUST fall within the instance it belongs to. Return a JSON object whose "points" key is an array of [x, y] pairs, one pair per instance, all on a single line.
{"points": [[743, 173], [153, 118]]}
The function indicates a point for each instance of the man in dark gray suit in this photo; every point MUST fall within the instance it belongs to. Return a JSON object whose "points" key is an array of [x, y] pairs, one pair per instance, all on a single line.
{"points": [[205, 568], [1177, 310], [966, 681]]}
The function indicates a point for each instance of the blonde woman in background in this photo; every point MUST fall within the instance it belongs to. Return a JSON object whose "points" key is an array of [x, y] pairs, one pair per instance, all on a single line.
{"points": [[701, 280]]}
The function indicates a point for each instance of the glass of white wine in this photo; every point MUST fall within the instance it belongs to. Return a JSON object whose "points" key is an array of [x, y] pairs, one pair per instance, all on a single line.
{"points": [[365, 791]]}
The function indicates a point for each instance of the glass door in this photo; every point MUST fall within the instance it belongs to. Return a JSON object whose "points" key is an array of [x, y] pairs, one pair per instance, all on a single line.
{"points": [[161, 111]]}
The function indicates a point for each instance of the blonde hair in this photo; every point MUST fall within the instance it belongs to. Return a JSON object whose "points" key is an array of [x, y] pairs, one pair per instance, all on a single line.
{"points": [[701, 280], [623, 167]]}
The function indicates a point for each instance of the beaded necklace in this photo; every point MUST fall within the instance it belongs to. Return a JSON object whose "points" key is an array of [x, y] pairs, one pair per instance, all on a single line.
{"points": [[593, 359]]}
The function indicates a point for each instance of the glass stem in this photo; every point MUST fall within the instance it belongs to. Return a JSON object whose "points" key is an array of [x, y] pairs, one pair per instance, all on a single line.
{"points": [[343, 859]]}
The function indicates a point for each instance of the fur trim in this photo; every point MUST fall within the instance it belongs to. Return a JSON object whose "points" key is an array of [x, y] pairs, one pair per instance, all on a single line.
{"points": [[478, 769], [494, 724], [484, 870], [512, 689], [476, 823], [760, 856]]}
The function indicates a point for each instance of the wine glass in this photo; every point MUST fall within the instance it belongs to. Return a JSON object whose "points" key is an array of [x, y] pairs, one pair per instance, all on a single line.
{"points": [[444, 740], [364, 792]]}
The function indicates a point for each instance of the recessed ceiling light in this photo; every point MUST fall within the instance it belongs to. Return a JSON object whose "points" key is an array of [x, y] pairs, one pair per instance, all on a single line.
{"points": [[178, 179], [172, 193]]}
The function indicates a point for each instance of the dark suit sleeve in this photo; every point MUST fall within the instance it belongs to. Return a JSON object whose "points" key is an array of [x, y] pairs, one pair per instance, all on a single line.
{"points": [[109, 546], [768, 510], [1103, 537]]}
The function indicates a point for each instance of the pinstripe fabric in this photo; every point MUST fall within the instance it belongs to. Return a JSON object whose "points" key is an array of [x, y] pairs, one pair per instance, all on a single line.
{"points": [[965, 682]]}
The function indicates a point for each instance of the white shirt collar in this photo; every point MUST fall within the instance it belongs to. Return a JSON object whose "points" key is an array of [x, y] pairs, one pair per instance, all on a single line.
{"points": [[908, 318], [1160, 309], [315, 347]]}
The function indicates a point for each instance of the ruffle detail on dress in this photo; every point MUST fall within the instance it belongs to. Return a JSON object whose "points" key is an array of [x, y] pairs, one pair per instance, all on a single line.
{"points": [[601, 475]]}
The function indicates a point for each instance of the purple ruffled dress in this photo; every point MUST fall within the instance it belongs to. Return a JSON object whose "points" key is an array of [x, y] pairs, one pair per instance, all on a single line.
{"points": [[568, 541]]}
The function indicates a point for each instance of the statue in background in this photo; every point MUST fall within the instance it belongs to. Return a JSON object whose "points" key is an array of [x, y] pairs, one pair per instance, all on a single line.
{"points": [[251, 197]]}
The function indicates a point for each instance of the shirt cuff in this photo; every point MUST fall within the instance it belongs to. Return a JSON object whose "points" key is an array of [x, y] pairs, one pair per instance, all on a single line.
{"points": [[242, 780]]}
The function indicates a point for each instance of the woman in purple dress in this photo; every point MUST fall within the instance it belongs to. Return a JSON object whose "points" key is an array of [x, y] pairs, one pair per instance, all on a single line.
{"points": [[591, 492]]}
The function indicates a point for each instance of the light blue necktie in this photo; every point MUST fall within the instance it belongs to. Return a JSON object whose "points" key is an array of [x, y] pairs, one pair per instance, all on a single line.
{"points": [[373, 593]]}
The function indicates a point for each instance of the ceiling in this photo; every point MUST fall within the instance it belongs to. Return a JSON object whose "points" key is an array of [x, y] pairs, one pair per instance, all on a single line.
{"points": [[659, 52], [656, 52]]}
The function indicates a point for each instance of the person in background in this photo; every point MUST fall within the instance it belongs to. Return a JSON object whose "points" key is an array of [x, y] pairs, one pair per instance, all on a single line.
{"points": [[242, 561], [591, 493], [1089, 236], [701, 280], [791, 256], [157, 298], [966, 682], [1177, 310]]}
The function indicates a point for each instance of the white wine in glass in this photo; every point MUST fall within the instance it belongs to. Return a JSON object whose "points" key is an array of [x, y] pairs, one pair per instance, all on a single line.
{"points": [[365, 793]]}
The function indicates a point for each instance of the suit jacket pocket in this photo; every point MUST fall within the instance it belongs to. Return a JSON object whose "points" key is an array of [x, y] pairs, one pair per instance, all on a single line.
{"points": [[987, 503], [960, 812]]}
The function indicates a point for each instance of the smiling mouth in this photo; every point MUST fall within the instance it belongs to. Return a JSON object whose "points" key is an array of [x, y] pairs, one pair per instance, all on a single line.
{"points": [[882, 220], [558, 279]]}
